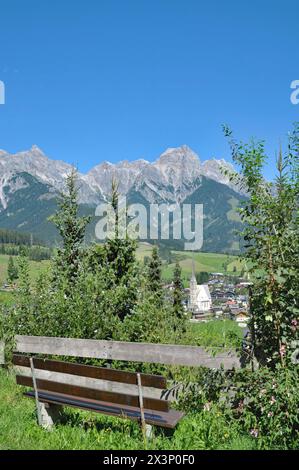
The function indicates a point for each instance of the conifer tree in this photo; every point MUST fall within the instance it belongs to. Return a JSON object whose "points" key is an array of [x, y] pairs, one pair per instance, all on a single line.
{"points": [[120, 250], [71, 228], [155, 274], [118, 257], [25, 320], [12, 270], [202, 277], [178, 291]]}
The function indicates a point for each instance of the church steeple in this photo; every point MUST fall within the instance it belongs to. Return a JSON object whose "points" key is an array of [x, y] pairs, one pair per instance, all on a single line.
{"points": [[193, 289], [193, 277]]}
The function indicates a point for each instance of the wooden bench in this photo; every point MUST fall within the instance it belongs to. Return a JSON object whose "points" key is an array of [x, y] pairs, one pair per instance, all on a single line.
{"points": [[103, 390]]}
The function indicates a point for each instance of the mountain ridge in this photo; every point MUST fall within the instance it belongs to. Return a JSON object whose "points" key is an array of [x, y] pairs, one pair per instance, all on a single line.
{"points": [[30, 183], [175, 168]]}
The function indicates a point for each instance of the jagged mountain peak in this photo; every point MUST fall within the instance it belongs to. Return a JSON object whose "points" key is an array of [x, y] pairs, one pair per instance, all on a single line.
{"points": [[132, 165], [217, 162], [174, 175], [33, 151], [36, 150], [180, 168], [178, 154]]}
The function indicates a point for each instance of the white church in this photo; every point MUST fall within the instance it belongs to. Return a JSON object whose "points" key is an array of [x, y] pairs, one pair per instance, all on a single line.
{"points": [[200, 300]]}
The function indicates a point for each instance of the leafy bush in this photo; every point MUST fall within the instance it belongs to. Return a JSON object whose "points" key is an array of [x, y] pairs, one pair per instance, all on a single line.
{"points": [[266, 404], [271, 233]]}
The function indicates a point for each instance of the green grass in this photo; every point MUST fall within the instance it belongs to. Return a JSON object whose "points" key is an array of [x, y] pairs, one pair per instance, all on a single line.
{"points": [[7, 298], [209, 262], [35, 269], [86, 431], [143, 249], [215, 333]]}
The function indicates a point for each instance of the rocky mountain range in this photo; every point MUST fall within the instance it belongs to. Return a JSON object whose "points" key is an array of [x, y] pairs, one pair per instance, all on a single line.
{"points": [[30, 182]]}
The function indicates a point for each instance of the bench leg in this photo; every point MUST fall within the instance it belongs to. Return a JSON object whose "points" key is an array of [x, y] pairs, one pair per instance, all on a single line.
{"points": [[49, 415], [148, 432]]}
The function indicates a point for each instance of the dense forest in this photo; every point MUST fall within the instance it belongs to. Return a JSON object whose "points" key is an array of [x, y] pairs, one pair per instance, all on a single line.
{"points": [[15, 237]]}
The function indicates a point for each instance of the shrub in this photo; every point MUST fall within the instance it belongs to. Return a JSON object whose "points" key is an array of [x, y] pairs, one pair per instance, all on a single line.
{"points": [[266, 403]]}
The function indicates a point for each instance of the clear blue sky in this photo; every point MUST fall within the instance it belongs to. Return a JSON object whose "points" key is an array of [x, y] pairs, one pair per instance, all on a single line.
{"points": [[98, 80]]}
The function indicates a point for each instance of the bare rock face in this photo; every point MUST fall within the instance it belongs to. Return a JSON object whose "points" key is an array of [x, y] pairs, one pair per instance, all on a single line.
{"points": [[173, 176], [46, 170]]}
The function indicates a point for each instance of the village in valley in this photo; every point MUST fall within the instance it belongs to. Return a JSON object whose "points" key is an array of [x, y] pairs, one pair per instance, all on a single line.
{"points": [[208, 296], [220, 297]]}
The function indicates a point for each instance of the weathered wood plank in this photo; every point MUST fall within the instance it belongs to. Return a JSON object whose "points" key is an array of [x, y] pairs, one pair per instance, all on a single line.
{"points": [[118, 350], [167, 419], [113, 375], [2, 357], [97, 384], [88, 393]]}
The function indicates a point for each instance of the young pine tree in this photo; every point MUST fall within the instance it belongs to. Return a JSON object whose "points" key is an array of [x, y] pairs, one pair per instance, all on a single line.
{"points": [[71, 228], [178, 291], [25, 319], [202, 277], [118, 258], [12, 270], [155, 275]]}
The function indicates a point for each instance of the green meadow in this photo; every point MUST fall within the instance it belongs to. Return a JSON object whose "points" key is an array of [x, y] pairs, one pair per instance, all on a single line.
{"points": [[35, 269], [209, 262]]}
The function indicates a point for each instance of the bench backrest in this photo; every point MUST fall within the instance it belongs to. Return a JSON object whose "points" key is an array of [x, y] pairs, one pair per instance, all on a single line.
{"points": [[91, 382], [170, 354]]}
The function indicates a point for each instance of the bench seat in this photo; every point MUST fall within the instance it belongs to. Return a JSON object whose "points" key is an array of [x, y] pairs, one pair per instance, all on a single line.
{"points": [[164, 419]]}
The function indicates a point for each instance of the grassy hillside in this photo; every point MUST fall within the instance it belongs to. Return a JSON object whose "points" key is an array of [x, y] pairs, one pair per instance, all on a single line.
{"points": [[210, 262], [143, 250], [203, 262], [36, 267], [217, 333]]}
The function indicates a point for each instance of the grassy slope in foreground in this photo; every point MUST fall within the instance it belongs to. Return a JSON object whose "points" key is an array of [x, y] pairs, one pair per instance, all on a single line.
{"points": [[83, 430], [86, 431]]}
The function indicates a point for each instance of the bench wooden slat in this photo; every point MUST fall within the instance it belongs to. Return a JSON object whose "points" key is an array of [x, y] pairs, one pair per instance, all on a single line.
{"points": [[88, 393], [164, 419], [97, 384], [194, 356], [113, 375]]}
